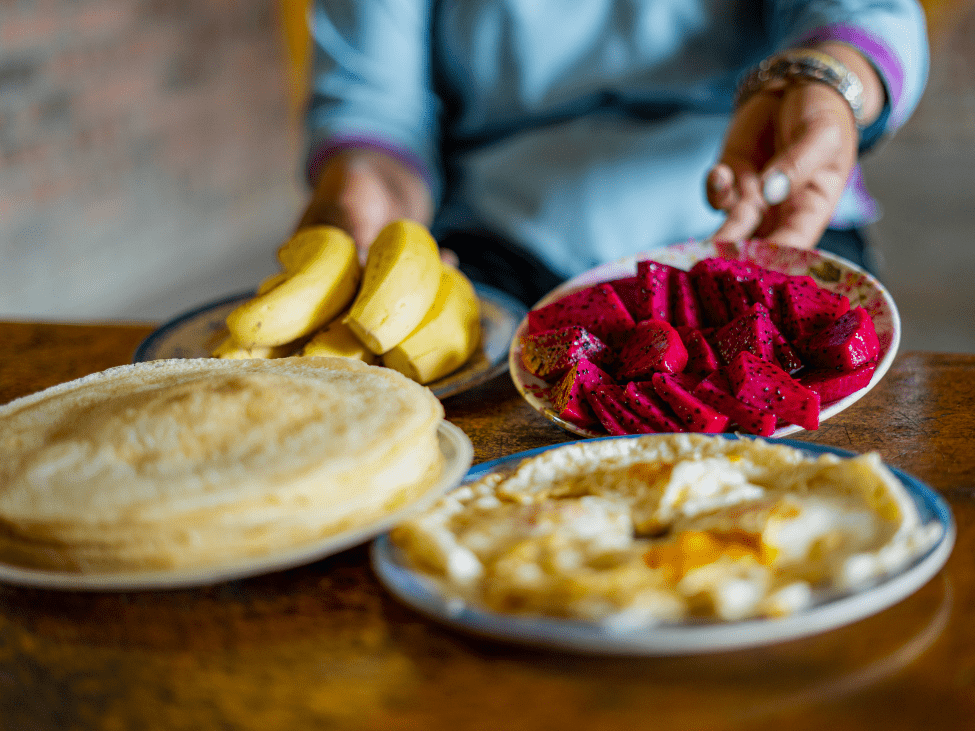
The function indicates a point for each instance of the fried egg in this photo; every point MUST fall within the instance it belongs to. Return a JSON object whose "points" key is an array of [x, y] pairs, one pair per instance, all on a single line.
{"points": [[667, 528]]}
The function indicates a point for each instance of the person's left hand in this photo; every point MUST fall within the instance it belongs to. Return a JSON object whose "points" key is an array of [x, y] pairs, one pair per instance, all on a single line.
{"points": [[787, 156]]}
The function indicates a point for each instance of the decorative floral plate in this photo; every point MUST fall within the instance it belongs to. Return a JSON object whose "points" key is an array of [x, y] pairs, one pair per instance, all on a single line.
{"points": [[830, 272]]}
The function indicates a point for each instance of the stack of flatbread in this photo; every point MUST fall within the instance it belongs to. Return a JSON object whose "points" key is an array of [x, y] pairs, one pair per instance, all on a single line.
{"points": [[175, 464]]}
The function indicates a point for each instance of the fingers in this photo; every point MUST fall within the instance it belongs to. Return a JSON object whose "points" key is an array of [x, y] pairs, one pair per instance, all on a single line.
{"points": [[449, 257], [361, 191], [787, 193], [352, 196], [737, 191], [720, 187]]}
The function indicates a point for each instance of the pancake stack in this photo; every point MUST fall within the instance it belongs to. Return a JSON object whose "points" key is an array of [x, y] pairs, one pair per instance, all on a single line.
{"points": [[183, 464]]}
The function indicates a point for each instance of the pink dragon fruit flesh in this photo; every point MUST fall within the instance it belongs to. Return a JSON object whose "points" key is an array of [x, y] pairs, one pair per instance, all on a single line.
{"points": [[656, 281], [568, 396], [847, 343], [694, 413], [764, 289], [652, 346], [684, 307], [753, 331], [735, 294], [608, 402], [642, 399], [549, 354], [599, 309], [833, 385], [715, 391], [807, 308], [709, 294], [701, 358], [785, 355], [632, 294], [764, 385]]}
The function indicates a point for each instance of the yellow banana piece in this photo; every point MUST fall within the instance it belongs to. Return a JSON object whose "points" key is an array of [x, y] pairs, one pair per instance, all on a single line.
{"points": [[231, 349], [336, 339], [399, 284], [446, 337], [320, 278]]}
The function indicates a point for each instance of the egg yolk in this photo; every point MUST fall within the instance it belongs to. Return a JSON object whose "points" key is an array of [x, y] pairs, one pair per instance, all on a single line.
{"points": [[693, 548]]}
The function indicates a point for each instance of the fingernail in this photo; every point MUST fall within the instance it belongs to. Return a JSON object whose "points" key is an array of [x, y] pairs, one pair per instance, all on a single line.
{"points": [[720, 178], [775, 188]]}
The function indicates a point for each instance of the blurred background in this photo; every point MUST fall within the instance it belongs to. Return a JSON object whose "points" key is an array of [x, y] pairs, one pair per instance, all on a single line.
{"points": [[151, 150]]}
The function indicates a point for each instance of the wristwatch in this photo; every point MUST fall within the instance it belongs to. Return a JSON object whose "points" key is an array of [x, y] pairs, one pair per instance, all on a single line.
{"points": [[808, 65]]}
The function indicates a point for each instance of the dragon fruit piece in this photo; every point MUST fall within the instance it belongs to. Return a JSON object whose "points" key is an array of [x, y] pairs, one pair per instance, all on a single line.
{"points": [[756, 332], [763, 384], [701, 358], [785, 355], [715, 391], [568, 396], [599, 309], [656, 280], [687, 381], [684, 307], [832, 385], [642, 399], [807, 308], [735, 293], [549, 354], [752, 331], [653, 345], [739, 268], [694, 413], [632, 294], [709, 294], [847, 343], [608, 402]]}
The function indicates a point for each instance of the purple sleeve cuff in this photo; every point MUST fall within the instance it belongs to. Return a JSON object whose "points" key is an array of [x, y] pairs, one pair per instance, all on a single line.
{"points": [[333, 145], [887, 63]]}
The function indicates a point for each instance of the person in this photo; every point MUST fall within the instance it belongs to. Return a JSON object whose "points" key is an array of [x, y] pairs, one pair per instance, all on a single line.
{"points": [[540, 138]]}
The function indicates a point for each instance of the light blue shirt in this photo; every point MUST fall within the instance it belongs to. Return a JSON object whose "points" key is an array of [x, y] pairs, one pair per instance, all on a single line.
{"points": [[579, 129]]}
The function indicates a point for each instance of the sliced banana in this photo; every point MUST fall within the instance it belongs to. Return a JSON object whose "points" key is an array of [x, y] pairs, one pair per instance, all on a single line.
{"points": [[336, 339], [446, 337], [320, 278], [399, 285]]}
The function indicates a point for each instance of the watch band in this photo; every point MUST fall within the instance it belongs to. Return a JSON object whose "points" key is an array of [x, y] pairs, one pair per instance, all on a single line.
{"points": [[808, 65]]}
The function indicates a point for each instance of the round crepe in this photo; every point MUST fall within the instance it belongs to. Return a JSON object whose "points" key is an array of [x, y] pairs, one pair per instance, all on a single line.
{"points": [[189, 463]]}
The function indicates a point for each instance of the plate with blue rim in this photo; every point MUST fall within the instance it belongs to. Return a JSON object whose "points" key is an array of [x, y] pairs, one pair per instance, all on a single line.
{"points": [[831, 610]]}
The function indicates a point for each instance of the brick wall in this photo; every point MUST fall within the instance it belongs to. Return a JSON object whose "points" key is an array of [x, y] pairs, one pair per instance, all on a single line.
{"points": [[148, 154]]}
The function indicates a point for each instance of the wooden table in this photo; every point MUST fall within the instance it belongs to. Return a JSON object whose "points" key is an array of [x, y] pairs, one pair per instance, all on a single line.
{"points": [[325, 647]]}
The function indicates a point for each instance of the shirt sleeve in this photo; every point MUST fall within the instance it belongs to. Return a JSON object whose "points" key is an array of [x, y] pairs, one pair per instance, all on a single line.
{"points": [[371, 83], [891, 34]]}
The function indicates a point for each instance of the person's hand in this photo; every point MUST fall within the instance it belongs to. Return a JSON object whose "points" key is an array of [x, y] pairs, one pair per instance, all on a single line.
{"points": [[360, 191], [786, 160]]}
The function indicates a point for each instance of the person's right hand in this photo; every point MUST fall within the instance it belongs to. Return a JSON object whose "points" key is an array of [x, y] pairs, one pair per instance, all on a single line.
{"points": [[360, 191]]}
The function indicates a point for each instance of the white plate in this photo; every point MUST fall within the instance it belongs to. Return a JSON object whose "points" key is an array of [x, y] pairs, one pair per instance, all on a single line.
{"points": [[194, 334], [830, 272], [671, 639], [458, 454]]}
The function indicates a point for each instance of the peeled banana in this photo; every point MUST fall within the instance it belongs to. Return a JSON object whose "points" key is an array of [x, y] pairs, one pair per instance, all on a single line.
{"points": [[336, 339], [399, 285], [321, 275], [446, 337]]}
